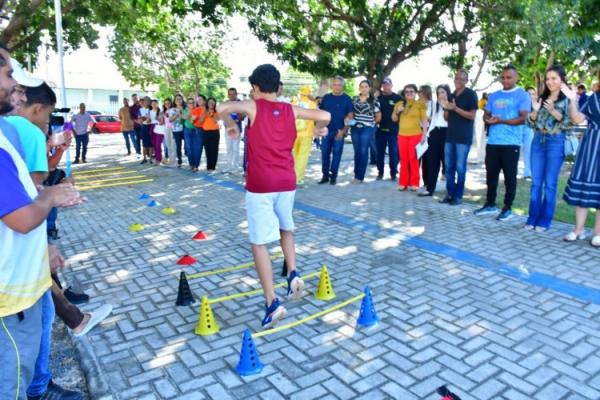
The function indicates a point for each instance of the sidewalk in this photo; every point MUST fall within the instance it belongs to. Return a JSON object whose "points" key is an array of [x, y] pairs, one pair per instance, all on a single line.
{"points": [[487, 308]]}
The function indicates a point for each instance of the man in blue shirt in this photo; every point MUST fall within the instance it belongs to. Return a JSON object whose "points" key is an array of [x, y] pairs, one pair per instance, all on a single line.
{"points": [[505, 113], [339, 105]]}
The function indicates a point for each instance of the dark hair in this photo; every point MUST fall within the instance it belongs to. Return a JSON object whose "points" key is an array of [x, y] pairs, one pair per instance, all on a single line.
{"points": [[134, 95], [581, 87], [410, 85], [371, 98], [563, 77], [266, 77], [208, 101], [528, 88], [446, 88], [164, 104], [42, 94], [183, 103], [203, 97], [426, 89], [232, 89], [462, 71], [509, 67]]}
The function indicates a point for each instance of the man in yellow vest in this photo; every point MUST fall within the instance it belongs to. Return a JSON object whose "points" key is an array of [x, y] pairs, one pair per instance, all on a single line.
{"points": [[305, 129]]}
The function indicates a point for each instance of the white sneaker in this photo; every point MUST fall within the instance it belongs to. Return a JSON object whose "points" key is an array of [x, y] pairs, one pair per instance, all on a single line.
{"points": [[572, 236], [96, 317]]}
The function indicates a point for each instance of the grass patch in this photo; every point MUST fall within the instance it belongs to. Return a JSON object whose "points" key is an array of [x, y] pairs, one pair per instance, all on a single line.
{"points": [[563, 211]]}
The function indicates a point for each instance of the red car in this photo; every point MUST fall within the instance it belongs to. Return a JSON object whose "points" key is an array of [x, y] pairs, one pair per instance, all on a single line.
{"points": [[105, 124]]}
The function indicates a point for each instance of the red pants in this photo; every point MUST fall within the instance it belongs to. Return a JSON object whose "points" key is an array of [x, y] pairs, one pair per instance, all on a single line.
{"points": [[409, 163]]}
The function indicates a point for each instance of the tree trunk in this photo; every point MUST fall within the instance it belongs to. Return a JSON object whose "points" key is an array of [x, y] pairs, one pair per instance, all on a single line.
{"points": [[323, 87]]}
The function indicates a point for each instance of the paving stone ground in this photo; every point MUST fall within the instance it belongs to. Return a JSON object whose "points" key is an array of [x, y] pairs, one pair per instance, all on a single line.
{"points": [[446, 318]]}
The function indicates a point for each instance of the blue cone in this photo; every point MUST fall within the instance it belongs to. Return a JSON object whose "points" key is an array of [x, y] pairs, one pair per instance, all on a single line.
{"points": [[249, 362], [368, 316], [144, 196], [152, 204]]}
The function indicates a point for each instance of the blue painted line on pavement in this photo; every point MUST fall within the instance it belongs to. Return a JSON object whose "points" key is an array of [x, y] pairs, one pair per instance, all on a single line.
{"points": [[538, 279]]}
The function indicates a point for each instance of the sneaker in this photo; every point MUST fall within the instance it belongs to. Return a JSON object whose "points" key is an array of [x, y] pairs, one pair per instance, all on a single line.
{"points": [[74, 297], [332, 182], [455, 202], [486, 210], [76, 161], [446, 200], [273, 314], [96, 317], [572, 237], [323, 180], [379, 177], [144, 161], [540, 229], [84, 161], [505, 215], [295, 286], [529, 227], [55, 392], [393, 178]]}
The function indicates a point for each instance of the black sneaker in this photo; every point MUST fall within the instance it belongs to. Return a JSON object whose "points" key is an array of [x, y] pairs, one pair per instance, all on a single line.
{"points": [[332, 182], [76, 161], [456, 202], [55, 392], [393, 178], [446, 200], [84, 161], [379, 177], [323, 180], [74, 297]]}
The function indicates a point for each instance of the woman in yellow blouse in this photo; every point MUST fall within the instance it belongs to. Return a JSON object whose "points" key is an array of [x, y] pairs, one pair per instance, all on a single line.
{"points": [[412, 118]]}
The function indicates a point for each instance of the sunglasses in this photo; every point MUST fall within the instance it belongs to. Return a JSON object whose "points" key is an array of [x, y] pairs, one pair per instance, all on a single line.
{"points": [[409, 91]]}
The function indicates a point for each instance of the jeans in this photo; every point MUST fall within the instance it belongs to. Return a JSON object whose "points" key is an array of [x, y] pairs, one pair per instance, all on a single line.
{"points": [[210, 142], [193, 139], [51, 220], [42, 374], [137, 129], [129, 135], [526, 150], [456, 155], [81, 141], [178, 136], [373, 150], [233, 152], [329, 144], [387, 140], [361, 141], [506, 159], [547, 156]]}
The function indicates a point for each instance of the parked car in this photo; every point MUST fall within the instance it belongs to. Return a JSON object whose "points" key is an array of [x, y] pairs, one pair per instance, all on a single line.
{"points": [[105, 124]]}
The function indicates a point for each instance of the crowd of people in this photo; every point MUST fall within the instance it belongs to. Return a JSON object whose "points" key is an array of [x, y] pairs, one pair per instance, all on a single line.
{"points": [[34, 188]]}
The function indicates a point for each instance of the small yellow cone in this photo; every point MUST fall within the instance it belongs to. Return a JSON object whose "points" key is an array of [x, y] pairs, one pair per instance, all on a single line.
{"points": [[207, 325], [168, 211], [136, 227], [325, 290]]}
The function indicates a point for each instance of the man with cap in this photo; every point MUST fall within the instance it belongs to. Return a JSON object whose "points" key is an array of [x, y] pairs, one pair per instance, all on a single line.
{"points": [[304, 139], [387, 134]]}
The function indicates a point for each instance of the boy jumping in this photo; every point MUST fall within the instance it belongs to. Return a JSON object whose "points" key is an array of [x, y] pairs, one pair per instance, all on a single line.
{"points": [[270, 178]]}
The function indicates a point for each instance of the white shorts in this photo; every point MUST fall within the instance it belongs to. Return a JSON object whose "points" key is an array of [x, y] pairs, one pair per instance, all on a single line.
{"points": [[267, 213]]}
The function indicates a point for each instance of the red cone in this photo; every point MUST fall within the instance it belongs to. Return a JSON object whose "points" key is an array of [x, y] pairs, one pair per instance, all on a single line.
{"points": [[199, 236], [186, 260]]}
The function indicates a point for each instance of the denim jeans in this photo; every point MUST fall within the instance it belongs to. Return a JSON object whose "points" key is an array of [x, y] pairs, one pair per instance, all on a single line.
{"points": [[81, 141], [456, 155], [193, 139], [42, 374], [547, 156], [329, 144], [178, 139], [373, 150], [137, 129], [361, 141], [51, 220], [526, 150], [387, 140], [129, 135]]}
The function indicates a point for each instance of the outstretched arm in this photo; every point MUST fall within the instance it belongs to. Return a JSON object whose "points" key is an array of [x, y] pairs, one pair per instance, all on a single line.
{"points": [[321, 118], [247, 107]]}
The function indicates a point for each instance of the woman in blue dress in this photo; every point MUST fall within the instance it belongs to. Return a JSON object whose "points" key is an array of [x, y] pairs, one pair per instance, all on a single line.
{"points": [[583, 188]]}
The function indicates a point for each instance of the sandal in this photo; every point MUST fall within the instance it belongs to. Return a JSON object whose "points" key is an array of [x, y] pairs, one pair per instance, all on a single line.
{"points": [[595, 242], [572, 237], [540, 229]]}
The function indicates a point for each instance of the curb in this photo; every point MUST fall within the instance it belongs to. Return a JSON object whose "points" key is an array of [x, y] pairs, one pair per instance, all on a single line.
{"points": [[97, 384]]}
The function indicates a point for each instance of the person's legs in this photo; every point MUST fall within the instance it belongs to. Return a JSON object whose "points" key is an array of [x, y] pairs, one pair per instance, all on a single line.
{"points": [[392, 146], [211, 140], [302, 148], [338, 149], [434, 159], [414, 178], [355, 135], [42, 374], [70, 314], [510, 167], [462, 154], [236, 153], [451, 161], [326, 148], [404, 157], [158, 141], [380, 143], [178, 136], [264, 270], [187, 140], [194, 148], [85, 139], [527, 139], [580, 218], [372, 148], [597, 224], [20, 338], [127, 145], [78, 142], [493, 165], [137, 139], [555, 155], [365, 138], [538, 166]]}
